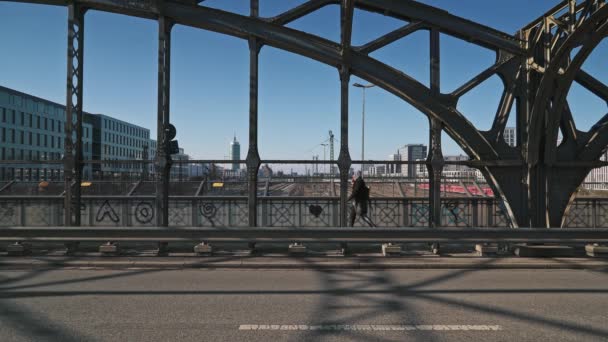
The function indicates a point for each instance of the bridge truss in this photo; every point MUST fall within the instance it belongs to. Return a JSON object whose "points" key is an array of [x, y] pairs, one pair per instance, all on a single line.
{"points": [[535, 180]]}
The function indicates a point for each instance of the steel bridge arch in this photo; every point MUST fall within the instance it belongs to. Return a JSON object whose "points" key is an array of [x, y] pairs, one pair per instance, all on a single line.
{"points": [[441, 107], [329, 52], [550, 105], [497, 162]]}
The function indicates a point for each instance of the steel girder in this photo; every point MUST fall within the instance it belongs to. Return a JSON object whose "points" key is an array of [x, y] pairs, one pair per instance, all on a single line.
{"points": [[163, 157], [408, 10], [253, 155], [73, 156], [347, 10], [592, 84]]}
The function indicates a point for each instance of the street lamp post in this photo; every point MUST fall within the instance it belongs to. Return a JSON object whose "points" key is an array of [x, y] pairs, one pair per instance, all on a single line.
{"points": [[363, 87]]}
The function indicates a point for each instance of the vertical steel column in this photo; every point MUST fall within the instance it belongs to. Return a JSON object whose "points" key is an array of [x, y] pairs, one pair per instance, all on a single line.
{"points": [[539, 170], [435, 160], [163, 158], [344, 160], [253, 156], [73, 159], [523, 118], [435, 60], [434, 166]]}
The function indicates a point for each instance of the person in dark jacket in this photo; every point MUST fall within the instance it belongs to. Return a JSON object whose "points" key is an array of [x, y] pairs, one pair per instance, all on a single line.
{"points": [[360, 194]]}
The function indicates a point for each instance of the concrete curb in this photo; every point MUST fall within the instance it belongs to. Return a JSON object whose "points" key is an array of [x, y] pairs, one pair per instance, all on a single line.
{"points": [[303, 263]]}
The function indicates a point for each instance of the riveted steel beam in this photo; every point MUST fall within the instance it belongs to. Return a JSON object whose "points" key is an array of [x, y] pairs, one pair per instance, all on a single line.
{"points": [[568, 127], [446, 23], [300, 11], [592, 84], [253, 156], [408, 10], [150, 9], [475, 81], [502, 114], [73, 157], [163, 158], [344, 160], [391, 37], [435, 161]]}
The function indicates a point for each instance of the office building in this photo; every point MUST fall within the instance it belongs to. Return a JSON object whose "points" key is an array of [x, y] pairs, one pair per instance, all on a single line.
{"points": [[411, 152], [394, 169], [117, 140], [455, 167], [32, 129]]}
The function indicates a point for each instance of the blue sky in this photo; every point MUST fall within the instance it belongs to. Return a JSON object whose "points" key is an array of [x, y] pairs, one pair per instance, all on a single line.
{"points": [[299, 98]]}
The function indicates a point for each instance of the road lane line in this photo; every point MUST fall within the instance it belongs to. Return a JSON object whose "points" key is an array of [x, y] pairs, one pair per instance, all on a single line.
{"points": [[368, 327]]}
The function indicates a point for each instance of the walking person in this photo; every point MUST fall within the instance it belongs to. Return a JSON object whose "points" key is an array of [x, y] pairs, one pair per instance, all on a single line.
{"points": [[361, 203]]}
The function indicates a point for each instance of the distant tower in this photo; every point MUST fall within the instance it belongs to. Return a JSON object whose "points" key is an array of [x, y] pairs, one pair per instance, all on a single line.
{"points": [[332, 169], [235, 153]]}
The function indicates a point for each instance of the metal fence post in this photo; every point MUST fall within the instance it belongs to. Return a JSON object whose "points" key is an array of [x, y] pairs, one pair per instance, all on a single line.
{"points": [[594, 213], [406, 212], [126, 218], [475, 212]]}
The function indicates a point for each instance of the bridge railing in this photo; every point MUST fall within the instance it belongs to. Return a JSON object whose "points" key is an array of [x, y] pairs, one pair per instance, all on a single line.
{"points": [[232, 211]]}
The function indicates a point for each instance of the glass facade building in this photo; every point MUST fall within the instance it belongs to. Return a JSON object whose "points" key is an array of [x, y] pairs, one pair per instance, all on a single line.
{"points": [[119, 140], [32, 129]]}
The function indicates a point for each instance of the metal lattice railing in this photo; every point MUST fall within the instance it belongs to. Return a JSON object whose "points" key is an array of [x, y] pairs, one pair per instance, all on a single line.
{"points": [[103, 211]]}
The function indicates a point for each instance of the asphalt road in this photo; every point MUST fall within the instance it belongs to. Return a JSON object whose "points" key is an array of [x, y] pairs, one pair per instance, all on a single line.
{"points": [[303, 305]]}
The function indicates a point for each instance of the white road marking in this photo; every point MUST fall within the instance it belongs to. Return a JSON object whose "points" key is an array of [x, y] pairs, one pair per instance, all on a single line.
{"points": [[374, 327]]}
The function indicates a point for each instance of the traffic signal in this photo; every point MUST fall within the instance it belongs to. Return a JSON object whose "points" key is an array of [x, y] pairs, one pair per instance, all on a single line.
{"points": [[170, 133]]}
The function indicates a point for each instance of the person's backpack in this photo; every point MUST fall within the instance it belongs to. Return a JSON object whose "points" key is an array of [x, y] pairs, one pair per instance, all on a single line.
{"points": [[366, 191]]}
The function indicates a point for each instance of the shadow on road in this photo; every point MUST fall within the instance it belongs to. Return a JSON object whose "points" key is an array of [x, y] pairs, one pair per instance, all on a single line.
{"points": [[376, 293]]}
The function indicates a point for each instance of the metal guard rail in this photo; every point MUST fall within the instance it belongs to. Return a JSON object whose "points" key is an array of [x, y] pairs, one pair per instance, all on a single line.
{"points": [[403, 234]]}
